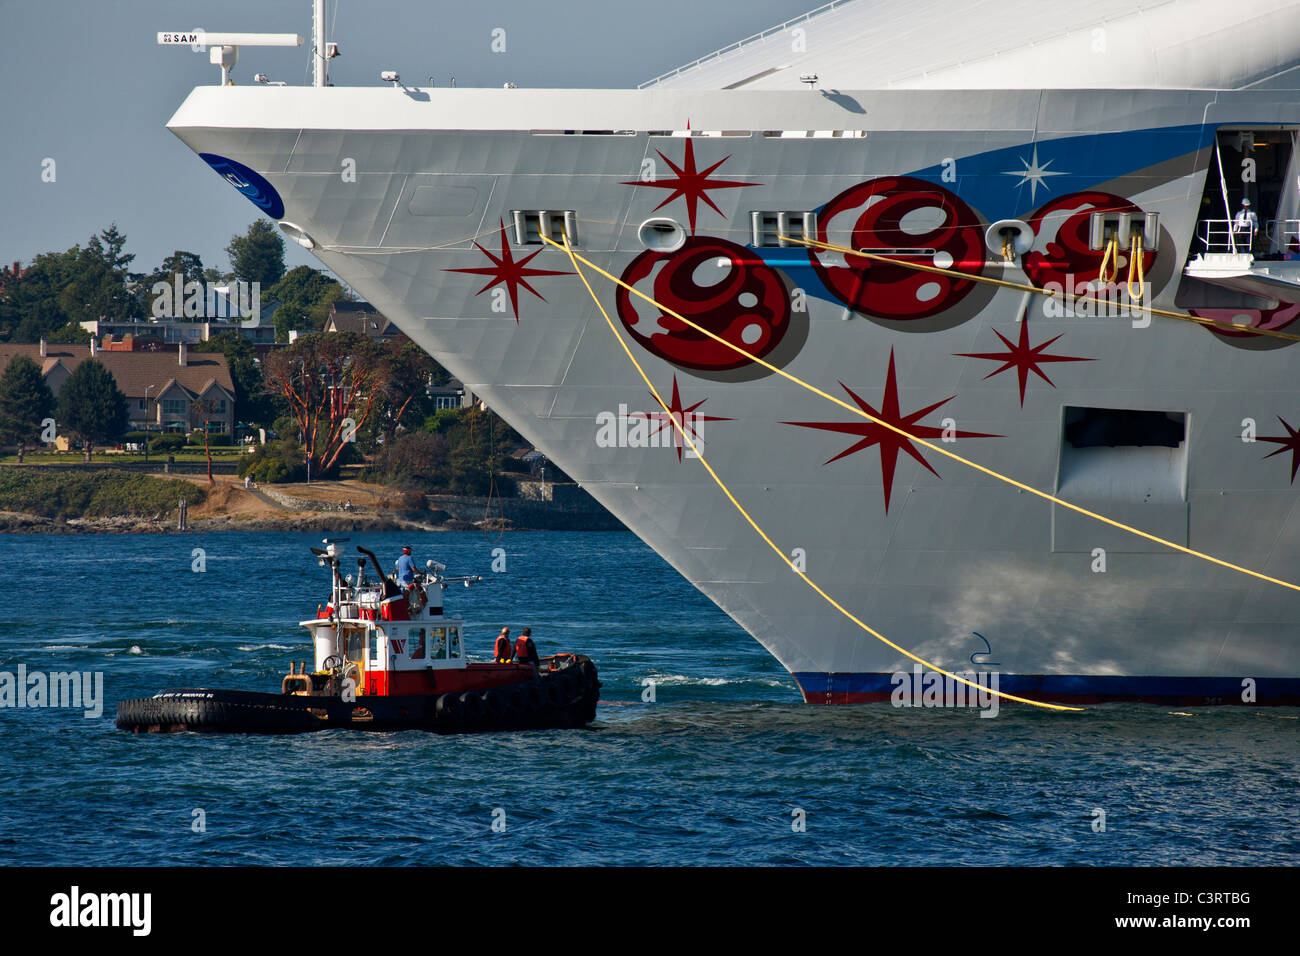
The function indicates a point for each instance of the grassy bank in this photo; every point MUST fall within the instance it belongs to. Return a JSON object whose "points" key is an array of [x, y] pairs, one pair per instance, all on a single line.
{"points": [[189, 453], [103, 494]]}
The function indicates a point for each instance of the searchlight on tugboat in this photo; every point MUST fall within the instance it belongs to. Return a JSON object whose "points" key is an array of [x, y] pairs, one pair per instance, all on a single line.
{"points": [[386, 657]]}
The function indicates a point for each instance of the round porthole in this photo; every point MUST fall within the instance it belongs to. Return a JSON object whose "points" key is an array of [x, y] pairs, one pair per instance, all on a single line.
{"points": [[661, 235]]}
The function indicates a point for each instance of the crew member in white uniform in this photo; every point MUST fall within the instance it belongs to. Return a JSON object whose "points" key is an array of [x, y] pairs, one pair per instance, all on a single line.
{"points": [[1244, 227]]}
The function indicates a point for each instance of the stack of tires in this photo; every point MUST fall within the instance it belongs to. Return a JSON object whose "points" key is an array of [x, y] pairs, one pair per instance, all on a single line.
{"points": [[215, 711], [563, 698]]}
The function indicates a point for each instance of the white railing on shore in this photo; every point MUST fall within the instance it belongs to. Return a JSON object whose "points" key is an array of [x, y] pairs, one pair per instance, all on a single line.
{"points": [[740, 44]]}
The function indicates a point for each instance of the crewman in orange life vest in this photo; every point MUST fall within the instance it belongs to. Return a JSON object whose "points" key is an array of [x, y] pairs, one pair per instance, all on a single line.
{"points": [[525, 650], [503, 652]]}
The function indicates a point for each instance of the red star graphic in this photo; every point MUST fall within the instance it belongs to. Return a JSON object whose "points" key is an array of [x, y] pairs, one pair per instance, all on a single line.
{"points": [[890, 442], [1290, 443], [514, 273], [686, 417], [1023, 358], [691, 183]]}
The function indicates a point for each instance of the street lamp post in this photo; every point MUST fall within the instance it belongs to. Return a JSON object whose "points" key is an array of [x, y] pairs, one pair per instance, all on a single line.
{"points": [[146, 423]]}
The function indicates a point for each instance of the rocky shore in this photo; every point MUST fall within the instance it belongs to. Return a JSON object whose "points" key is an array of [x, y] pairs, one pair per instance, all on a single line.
{"points": [[335, 506]]}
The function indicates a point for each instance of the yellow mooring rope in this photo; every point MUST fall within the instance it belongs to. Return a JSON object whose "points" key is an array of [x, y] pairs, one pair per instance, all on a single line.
{"points": [[681, 430], [1049, 293], [921, 441]]}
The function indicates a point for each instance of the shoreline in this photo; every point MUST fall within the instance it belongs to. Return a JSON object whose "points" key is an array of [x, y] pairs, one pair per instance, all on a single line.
{"points": [[337, 506], [16, 522], [332, 505]]}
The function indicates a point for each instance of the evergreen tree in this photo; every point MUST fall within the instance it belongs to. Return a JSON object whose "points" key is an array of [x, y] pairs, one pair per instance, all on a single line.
{"points": [[258, 255], [98, 286], [187, 265], [58, 288], [25, 400], [305, 296], [91, 406]]}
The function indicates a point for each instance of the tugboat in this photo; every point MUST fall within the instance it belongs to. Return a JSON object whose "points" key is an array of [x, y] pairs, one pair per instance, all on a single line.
{"points": [[386, 658]]}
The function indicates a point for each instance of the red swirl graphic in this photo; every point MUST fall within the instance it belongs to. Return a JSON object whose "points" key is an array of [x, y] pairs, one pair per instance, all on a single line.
{"points": [[1067, 254], [899, 212], [747, 304], [1273, 319]]}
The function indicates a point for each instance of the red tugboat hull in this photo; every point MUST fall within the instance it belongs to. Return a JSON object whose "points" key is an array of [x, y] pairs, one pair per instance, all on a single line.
{"points": [[480, 701]]}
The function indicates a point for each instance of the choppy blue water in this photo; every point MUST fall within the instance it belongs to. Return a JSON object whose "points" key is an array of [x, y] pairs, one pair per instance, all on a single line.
{"points": [[712, 772]]}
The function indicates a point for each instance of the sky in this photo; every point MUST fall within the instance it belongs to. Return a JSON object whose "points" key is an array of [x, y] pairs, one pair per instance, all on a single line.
{"points": [[86, 85]]}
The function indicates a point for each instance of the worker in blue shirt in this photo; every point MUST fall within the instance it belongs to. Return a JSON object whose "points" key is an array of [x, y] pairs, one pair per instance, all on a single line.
{"points": [[406, 569]]}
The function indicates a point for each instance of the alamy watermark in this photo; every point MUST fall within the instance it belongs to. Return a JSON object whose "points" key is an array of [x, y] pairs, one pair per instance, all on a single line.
{"points": [[932, 689], [626, 429], [81, 690], [1086, 301], [206, 300], [127, 910]]}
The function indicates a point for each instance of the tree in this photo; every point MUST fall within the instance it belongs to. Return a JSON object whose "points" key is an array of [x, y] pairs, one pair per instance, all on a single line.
{"points": [[418, 459], [478, 443], [188, 265], [203, 409], [71, 333], [412, 371], [25, 401], [332, 385], [258, 255], [305, 296], [482, 444], [98, 286], [59, 288], [29, 306], [252, 403], [91, 406]]}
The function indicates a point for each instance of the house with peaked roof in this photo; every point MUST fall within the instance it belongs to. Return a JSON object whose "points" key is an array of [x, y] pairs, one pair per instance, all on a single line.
{"points": [[161, 387], [364, 319]]}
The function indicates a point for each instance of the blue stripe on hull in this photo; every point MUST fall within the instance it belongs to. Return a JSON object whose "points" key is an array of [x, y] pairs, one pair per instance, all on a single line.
{"points": [[819, 688]]}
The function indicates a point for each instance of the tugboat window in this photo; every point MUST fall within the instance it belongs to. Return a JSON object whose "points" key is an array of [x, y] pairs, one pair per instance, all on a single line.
{"points": [[455, 642], [417, 644], [439, 636]]}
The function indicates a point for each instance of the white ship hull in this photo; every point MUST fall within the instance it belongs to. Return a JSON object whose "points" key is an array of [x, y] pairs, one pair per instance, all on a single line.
{"points": [[939, 561]]}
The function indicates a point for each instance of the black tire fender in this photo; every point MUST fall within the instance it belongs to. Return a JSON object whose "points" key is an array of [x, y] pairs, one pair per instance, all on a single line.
{"points": [[471, 706]]}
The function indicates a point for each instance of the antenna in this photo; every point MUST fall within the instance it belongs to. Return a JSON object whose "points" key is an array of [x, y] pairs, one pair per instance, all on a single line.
{"points": [[320, 64], [224, 50]]}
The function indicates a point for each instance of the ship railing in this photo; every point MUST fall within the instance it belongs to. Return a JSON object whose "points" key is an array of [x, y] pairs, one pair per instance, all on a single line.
{"points": [[740, 44], [1224, 235], [1218, 235], [1283, 234]]}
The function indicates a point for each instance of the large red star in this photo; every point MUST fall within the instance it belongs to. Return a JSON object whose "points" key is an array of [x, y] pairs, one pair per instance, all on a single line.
{"points": [[1023, 358], [514, 273], [686, 417], [1290, 443], [890, 442], [691, 183]]}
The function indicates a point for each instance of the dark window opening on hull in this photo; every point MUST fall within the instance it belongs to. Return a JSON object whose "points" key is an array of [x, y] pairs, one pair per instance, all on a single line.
{"points": [[1123, 428]]}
